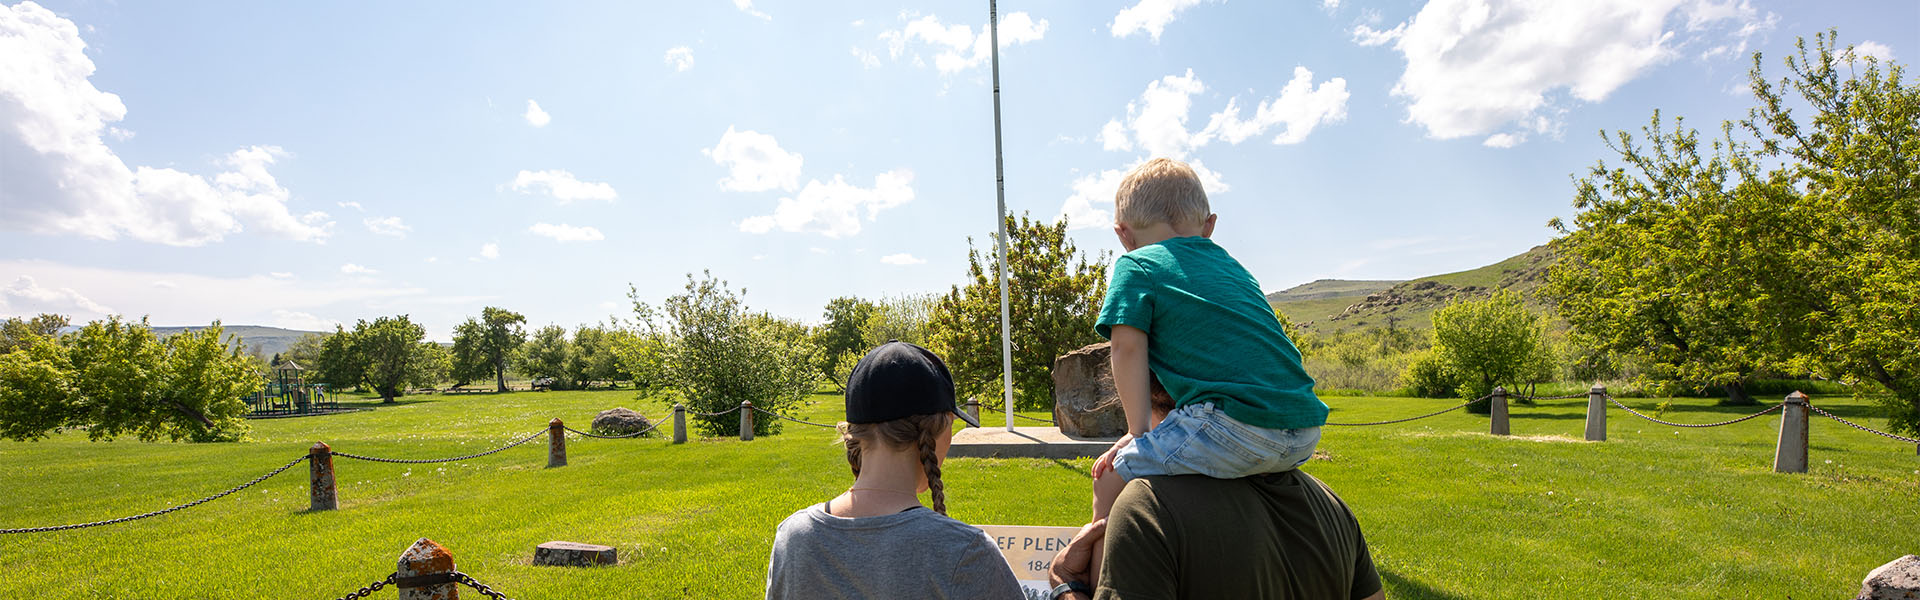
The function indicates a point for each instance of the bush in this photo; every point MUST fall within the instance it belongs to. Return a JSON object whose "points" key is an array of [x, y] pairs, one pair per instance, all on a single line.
{"points": [[1428, 376]]}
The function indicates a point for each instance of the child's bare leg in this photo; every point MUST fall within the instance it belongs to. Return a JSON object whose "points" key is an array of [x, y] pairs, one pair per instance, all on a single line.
{"points": [[1105, 489]]}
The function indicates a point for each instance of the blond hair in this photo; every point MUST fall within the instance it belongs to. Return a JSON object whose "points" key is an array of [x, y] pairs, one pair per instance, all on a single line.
{"points": [[906, 432], [1161, 191]]}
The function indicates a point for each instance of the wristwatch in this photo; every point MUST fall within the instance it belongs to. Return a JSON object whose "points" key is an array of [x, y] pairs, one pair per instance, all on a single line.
{"points": [[1061, 591]]}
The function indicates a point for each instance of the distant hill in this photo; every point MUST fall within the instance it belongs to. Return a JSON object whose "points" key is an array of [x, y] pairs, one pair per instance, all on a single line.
{"points": [[264, 341], [1333, 305]]}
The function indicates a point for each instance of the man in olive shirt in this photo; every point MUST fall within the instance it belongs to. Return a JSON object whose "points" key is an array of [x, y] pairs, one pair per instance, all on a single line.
{"points": [[1277, 535]]}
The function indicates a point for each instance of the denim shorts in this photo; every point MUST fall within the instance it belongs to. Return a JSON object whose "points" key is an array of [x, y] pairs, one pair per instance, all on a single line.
{"points": [[1199, 439]]}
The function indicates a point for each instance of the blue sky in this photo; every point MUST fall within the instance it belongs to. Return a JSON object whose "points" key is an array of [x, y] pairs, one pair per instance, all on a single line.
{"points": [[299, 165]]}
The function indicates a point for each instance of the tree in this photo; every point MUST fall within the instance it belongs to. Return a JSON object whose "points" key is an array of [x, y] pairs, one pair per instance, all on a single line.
{"points": [[1055, 299], [1487, 342], [715, 353], [545, 355], [840, 335], [395, 354], [305, 350], [593, 357], [489, 341], [115, 378], [341, 363], [467, 363], [15, 331], [1796, 245]]}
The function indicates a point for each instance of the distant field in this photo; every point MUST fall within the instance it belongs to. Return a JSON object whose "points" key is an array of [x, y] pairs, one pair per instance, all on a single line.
{"points": [[1656, 512]]}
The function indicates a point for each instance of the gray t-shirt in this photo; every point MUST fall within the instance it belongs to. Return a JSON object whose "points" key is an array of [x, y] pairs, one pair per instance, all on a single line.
{"points": [[918, 553]]}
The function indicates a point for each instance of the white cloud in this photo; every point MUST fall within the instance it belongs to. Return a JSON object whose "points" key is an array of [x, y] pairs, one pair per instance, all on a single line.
{"points": [[25, 296], [1330, 5], [681, 57], [834, 208], [1874, 49], [567, 233], [902, 259], [387, 226], [1151, 16], [300, 321], [535, 116], [1478, 67], [1157, 121], [1090, 206], [165, 285], [562, 186], [746, 6], [352, 205], [754, 162], [868, 60], [956, 47], [281, 275], [353, 269], [1503, 140], [490, 251]]}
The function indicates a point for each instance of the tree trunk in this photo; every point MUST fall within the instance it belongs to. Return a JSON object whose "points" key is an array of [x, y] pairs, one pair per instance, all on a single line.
{"points": [[1737, 395], [500, 377]]}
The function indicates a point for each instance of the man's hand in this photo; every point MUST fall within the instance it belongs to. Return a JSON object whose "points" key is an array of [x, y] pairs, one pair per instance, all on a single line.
{"points": [[1073, 562], [1104, 464]]}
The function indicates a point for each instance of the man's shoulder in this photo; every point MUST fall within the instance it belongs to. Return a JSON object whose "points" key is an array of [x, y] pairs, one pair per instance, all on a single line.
{"points": [[1200, 490]]}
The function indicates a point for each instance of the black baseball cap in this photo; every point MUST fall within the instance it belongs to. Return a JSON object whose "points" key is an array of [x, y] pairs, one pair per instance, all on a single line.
{"points": [[897, 380]]}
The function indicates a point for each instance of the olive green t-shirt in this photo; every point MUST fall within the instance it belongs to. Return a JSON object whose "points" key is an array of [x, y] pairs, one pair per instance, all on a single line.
{"points": [[1278, 535]]}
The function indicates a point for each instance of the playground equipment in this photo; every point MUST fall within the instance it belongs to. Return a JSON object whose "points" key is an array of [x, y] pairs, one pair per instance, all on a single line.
{"points": [[287, 392]]}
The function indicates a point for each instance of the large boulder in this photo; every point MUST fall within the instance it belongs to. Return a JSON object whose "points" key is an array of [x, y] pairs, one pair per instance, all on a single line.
{"points": [[1899, 579], [619, 421], [1084, 401]]}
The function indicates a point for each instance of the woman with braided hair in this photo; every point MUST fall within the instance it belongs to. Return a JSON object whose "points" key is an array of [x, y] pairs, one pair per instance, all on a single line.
{"points": [[876, 540]]}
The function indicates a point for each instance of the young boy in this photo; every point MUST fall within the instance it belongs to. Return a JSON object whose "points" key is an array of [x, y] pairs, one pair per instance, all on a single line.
{"points": [[1181, 309]]}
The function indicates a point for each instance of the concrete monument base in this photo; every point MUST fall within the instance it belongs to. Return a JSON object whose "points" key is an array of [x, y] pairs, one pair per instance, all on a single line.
{"points": [[1024, 442]]}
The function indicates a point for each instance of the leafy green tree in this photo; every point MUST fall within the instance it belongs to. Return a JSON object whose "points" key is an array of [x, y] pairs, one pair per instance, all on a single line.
{"points": [[432, 365], [1055, 299], [840, 334], [1795, 245], [116, 378], [593, 357], [396, 354], [545, 355], [715, 354], [1487, 342], [15, 331], [305, 350], [341, 363], [488, 343]]}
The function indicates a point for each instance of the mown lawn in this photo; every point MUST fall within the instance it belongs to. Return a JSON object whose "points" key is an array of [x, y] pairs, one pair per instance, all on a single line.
{"points": [[1655, 512]]}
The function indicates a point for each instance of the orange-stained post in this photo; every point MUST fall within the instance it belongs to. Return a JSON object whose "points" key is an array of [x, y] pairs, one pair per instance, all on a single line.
{"points": [[320, 478], [426, 573], [556, 444]]}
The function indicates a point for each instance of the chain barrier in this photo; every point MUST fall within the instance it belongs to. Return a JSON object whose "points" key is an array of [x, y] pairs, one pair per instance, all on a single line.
{"points": [[1566, 397], [1636, 413], [163, 511], [649, 429], [484, 589], [1862, 427], [1431, 414], [765, 411], [422, 461], [369, 589], [715, 414], [1018, 415]]}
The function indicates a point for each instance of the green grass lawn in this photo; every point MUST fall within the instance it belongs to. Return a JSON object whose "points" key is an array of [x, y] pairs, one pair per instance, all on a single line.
{"points": [[1450, 512]]}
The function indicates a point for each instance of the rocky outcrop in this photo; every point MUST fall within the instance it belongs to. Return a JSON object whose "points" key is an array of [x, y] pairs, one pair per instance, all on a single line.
{"points": [[619, 421], [1085, 403]]}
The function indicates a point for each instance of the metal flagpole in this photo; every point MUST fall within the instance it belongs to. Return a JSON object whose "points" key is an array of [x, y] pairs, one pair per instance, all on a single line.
{"points": [[1000, 189]]}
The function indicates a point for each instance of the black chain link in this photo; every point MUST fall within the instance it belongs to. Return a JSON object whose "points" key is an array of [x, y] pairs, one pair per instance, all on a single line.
{"points": [[715, 414], [1862, 427], [368, 589], [1566, 397], [1431, 414], [649, 429], [762, 410], [1636, 413], [163, 511], [484, 589], [420, 461]]}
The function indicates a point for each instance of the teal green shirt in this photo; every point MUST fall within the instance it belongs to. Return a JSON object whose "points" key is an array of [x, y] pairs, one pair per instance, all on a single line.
{"points": [[1211, 337]]}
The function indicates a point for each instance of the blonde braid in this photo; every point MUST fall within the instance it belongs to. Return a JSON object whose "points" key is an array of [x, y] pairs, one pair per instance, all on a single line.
{"points": [[929, 438], [853, 446]]}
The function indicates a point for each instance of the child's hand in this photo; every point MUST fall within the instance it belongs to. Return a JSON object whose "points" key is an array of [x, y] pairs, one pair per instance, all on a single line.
{"points": [[1105, 463]]}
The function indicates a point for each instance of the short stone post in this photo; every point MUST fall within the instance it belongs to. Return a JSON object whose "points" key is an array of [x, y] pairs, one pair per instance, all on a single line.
{"points": [[1597, 413], [426, 573], [746, 420], [1499, 412], [556, 444], [1790, 455], [320, 478], [679, 423], [973, 408]]}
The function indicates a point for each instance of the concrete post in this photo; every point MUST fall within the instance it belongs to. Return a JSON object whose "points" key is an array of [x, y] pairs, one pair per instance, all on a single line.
{"points": [[746, 420], [973, 408], [1597, 413], [556, 444], [426, 573], [679, 423], [1790, 455], [1498, 411], [320, 478]]}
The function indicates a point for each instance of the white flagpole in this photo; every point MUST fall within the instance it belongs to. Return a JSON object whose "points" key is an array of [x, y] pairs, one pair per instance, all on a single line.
{"points": [[1000, 189]]}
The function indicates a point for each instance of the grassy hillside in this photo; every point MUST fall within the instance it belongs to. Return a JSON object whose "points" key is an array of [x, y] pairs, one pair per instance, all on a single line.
{"points": [[1449, 512], [1409, 303], [265, 341]]}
